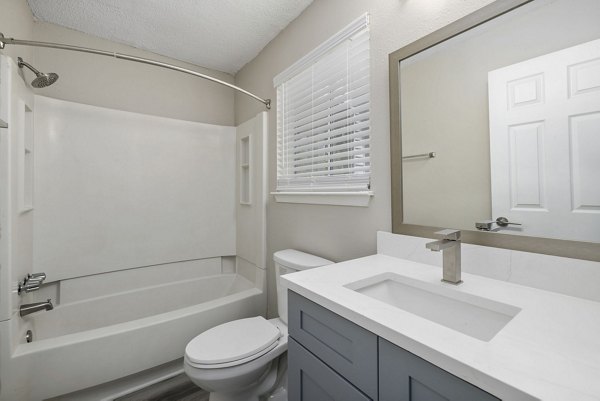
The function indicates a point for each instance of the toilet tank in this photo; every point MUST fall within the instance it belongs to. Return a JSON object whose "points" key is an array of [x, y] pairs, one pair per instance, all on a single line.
{"points": [[290, 261]]}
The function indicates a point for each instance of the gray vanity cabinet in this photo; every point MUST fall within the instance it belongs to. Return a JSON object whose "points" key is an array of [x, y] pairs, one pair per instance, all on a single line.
{"points": [[333, 359], [337, 345], [406, 377]]}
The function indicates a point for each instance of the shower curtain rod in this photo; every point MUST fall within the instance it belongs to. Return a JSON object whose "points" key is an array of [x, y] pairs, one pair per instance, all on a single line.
{"points": [[11, 41]]}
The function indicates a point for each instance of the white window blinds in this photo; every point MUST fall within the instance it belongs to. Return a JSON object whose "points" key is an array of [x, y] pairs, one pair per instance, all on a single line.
{"points": [[323, 116]]}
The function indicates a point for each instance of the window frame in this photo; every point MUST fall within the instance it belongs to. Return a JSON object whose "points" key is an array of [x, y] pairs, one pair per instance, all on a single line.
{"points": [[356, 194]]}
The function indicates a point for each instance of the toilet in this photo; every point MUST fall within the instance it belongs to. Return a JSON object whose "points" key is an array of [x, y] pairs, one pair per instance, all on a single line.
{"points": [[239, 360]]}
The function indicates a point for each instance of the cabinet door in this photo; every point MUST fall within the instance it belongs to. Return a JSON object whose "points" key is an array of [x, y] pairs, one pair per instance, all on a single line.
{"points": [[347, 348], [406, 377], [309, 379]]}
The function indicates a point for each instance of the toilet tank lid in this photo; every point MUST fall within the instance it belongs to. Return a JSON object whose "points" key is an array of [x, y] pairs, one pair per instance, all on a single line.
{"points": [[299, 260]]}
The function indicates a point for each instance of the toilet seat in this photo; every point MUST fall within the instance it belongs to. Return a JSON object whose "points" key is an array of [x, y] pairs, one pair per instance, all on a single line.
{"points": [[232, 343]]}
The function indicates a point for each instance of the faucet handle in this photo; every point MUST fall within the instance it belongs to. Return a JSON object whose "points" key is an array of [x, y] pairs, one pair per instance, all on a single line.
{"points": [[37, 276], [449, 234], [28, 286]]}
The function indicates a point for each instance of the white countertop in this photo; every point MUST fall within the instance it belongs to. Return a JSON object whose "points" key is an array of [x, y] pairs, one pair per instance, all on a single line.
{"points": [[550, 350]]}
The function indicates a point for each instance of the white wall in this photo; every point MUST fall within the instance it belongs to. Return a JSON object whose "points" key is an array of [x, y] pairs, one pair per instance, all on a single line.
{"points": [[16, 225], [337, 232], [117, 190], [251, 216], [15, 250], [106, 82]]}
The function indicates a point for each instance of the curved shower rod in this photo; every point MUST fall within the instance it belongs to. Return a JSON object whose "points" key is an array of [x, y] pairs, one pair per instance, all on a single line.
{"points": [[11, 41]]}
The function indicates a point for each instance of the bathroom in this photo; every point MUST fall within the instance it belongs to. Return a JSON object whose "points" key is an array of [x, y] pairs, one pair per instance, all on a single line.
{"points": [[148, 241]]}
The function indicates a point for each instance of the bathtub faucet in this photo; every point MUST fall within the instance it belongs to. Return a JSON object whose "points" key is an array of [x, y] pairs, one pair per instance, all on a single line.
{"points": [[26, 309], [31, 282]]}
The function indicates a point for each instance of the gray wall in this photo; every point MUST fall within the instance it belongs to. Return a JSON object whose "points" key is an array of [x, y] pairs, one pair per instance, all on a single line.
{"points": [[16, 21], [340, 232], [107, 82]]}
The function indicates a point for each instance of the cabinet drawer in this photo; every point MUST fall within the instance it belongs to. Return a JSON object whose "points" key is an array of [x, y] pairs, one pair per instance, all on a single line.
{"points": [[347, 348], [309, 379], [406, 377]]}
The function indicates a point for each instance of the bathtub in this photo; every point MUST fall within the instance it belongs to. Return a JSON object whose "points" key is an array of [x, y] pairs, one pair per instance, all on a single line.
{"points": [[92, 341]]}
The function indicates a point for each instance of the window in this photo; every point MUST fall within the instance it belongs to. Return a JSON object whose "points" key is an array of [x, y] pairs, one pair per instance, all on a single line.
{"points": [[323, 125]]}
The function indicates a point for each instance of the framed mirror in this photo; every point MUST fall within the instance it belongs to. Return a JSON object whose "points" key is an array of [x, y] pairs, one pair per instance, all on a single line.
{"points": [[495, 128]]}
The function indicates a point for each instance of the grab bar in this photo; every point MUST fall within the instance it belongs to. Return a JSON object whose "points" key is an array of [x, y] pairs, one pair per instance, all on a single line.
{"points": [[429, 155]]}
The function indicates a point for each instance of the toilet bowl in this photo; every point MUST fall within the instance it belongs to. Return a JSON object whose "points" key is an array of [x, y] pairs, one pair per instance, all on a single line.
{"points": [[239, 360]]}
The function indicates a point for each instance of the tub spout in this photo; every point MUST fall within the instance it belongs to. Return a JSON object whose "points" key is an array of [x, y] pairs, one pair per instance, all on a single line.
{"points": [[26, 309]]}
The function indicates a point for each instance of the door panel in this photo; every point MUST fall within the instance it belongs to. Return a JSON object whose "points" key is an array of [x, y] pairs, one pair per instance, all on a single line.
{"points": [[309, 379], [545, 144], [406, 377]]}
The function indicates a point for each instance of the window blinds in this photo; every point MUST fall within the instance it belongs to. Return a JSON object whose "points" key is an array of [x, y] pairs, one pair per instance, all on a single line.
{"points": [[323, 116]]}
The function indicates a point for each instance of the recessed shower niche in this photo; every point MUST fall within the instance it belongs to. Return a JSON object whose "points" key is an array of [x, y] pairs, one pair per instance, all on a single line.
{"points": [[245, 163]]}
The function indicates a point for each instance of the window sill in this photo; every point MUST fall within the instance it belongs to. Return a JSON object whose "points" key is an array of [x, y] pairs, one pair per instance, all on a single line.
{"points": [[325, 198]]}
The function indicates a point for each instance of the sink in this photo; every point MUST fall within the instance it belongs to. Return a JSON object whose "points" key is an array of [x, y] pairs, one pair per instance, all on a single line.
{"points": [[469, 314]]}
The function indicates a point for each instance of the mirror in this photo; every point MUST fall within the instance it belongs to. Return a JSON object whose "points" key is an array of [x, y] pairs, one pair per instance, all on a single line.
{"points": [[496, 128]]}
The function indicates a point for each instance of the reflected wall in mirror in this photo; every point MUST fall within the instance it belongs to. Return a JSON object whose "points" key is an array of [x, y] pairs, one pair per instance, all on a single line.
{"points": [[511, 109]]}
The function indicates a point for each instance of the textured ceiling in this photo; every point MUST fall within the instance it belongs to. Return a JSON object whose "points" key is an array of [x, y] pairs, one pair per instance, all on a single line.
{"points": [[220, 34]]}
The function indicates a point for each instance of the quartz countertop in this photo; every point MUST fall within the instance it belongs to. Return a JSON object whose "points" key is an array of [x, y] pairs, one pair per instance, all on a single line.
{"points": [[550, 350]]}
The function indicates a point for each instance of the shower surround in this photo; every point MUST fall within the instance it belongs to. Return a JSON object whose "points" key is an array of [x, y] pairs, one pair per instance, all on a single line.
{"points": [[134, 220]]}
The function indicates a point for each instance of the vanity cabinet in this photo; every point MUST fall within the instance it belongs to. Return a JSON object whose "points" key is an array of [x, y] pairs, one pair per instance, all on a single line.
{"points": [[331, 358]]}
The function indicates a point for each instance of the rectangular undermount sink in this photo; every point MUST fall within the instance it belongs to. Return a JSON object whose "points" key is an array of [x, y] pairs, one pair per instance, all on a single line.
{"points": [[469, 314]]}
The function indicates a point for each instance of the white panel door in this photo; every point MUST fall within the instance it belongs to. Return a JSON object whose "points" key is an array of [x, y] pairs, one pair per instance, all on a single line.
{"points": [[545, 143]]}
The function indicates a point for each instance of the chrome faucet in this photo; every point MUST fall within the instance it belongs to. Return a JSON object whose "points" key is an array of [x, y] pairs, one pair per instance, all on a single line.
{"points": [[31, 282], [26, 309], [449, 243]]}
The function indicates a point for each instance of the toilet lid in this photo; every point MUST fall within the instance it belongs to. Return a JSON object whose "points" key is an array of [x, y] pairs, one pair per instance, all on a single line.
{"points": [[232, 341]]}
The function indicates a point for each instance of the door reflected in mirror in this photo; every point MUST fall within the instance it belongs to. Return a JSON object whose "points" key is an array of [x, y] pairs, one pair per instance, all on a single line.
{"points": [[511, 109]]}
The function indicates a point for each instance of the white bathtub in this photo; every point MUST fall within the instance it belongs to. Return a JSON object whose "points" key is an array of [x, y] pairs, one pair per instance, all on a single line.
{"points": [[92, 341]]}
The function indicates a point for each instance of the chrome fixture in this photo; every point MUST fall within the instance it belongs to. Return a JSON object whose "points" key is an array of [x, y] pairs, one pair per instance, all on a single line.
{"points": [[3, 124], [32, 282], [27, 309], [41, 78], [41, 276], [487, 225], [29, 336], [11, 41], [29, 286], [449, 243], [503, 222], [429, 155]]}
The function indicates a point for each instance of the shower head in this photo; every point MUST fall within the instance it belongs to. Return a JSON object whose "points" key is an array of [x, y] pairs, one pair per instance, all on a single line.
{"points": [[41, 79]]}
